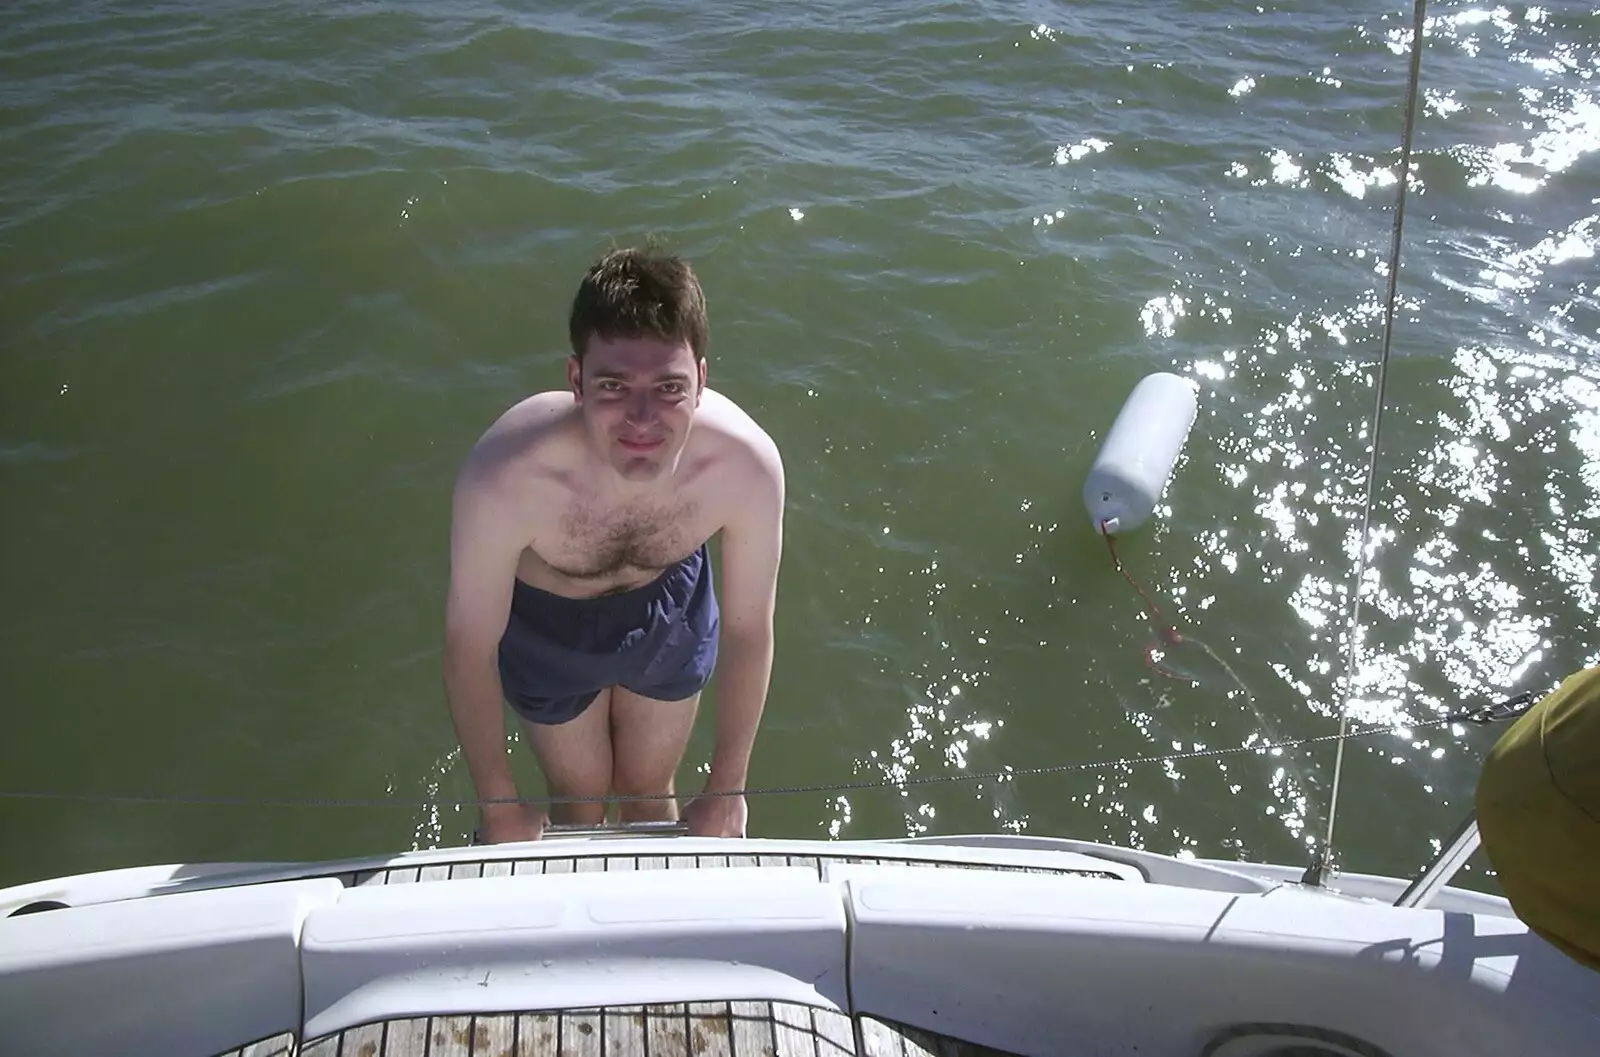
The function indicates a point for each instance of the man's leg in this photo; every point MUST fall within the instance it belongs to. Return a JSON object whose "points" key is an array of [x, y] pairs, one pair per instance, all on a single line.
{"points": [[575, 757], [647, 740]]}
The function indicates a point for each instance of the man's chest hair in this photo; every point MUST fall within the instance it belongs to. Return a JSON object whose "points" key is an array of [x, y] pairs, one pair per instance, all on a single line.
{"points": [[597, 541]]}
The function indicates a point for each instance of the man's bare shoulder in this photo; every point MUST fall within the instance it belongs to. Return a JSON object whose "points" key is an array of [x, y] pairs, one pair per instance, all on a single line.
{"points": [[531, 434], [739, 442]]}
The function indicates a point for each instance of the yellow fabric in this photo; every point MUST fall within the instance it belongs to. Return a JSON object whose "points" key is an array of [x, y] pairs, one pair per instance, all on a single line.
{"points": [[1538, 803]]}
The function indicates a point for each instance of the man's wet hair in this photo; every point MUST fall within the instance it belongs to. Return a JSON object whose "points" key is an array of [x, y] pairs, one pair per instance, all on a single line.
{"points": [[639, 292]]}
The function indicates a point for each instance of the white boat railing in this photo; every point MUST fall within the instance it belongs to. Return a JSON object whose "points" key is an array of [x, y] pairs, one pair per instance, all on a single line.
{"points": [[1451, 858]]}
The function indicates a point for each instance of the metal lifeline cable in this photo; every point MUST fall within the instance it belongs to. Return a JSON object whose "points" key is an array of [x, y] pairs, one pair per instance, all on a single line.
{"points": [[1324, 860], [1494, 713]]}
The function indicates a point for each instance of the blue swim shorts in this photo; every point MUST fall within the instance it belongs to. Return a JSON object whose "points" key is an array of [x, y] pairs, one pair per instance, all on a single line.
{"points": [[658, 640]]}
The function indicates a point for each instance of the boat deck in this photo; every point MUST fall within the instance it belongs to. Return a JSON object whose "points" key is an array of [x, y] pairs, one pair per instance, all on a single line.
{"points": [[601, 862], [697, 1029]]}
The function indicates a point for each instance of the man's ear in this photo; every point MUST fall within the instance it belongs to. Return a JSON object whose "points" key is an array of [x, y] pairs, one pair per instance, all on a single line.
{"points": [[701, 389], [575, 378]]}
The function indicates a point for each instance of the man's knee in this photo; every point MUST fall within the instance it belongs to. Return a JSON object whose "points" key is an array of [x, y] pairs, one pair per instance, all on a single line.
{"points": [[656, 800], [587, 813], [575, 757], [579, 797]]}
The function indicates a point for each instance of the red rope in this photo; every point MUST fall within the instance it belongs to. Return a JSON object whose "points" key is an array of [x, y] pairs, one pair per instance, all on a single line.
{"points": [[1166, 634]]}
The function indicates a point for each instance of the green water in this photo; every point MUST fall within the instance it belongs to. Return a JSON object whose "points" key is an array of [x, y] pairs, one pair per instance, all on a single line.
{"points": [[266, 271]]}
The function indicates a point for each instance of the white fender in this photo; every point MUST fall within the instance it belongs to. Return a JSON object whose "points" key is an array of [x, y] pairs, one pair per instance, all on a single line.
{"points": [[1133, 465]]}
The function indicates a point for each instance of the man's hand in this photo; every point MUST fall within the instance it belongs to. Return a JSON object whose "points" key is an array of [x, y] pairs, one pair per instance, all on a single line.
{"points": [[716, 816], [503, 823]]}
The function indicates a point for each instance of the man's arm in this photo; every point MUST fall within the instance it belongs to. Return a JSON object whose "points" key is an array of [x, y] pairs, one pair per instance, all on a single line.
{"points": [[484, 552], [752, 549]]}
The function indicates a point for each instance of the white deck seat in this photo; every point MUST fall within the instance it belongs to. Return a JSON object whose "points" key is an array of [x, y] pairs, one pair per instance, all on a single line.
{"points": [[573, 941], [170, 976], [1038, 964]]}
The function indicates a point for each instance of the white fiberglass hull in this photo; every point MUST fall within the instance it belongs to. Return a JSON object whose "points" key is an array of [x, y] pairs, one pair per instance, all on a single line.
{"points": [[1023, 945]]}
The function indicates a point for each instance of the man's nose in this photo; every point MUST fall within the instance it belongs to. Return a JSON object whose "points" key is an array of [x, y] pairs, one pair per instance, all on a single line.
{"points": [[640, 408]]}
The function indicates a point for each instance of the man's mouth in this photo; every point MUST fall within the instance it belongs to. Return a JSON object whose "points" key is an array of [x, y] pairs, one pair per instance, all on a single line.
{"points": [[639, 445]]}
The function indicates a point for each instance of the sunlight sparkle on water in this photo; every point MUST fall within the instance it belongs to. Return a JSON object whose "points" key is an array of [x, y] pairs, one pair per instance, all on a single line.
{"points": [[1286, 170], [1074, 151], [1355, 182], [1161, 314]]}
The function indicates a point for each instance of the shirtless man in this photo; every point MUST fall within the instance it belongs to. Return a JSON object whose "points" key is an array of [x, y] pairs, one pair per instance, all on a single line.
{"points": [[580, 589]]}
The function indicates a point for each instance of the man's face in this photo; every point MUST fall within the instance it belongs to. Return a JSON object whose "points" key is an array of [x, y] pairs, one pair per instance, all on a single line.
{"points": [[637, 397]]}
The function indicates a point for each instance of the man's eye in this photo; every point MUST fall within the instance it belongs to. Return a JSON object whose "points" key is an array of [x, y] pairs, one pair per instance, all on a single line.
{"points": [[673, 388]]}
